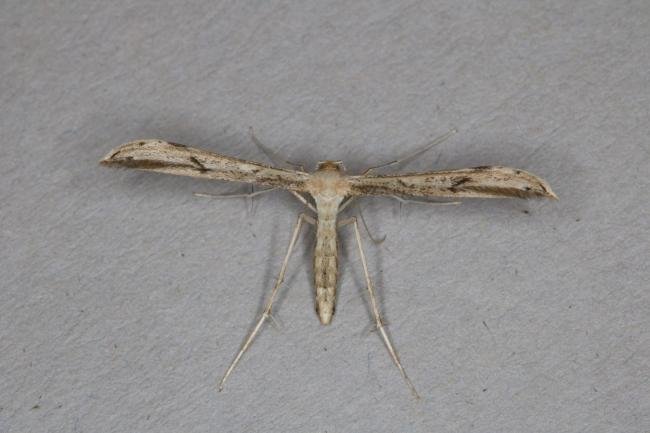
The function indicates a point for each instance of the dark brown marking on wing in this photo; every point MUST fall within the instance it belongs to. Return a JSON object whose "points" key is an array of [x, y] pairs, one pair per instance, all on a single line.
{"points": [[276, 179], [541, 185], [527, 192], [457, 181], [375, 189], [146, 164], [199, 164]]}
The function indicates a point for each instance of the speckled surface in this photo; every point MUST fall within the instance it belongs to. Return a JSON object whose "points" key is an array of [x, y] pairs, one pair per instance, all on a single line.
{"points": [[123, 297]]}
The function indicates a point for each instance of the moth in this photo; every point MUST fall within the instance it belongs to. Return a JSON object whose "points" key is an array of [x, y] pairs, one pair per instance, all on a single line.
{"points": [[326, 192]]}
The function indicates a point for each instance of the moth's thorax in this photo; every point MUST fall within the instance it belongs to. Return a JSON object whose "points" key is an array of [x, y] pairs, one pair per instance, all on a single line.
{"points": [[330, 166], [328, 181]]}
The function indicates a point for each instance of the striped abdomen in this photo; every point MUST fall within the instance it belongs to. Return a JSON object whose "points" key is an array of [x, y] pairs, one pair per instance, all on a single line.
{"points": [[326, 262]]}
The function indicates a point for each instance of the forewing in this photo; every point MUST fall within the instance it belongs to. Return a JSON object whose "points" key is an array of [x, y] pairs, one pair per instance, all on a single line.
{"points": [[178, 159], [467, 182]]}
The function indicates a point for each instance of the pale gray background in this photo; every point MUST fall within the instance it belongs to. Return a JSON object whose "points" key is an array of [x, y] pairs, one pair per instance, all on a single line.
{"points": [[124, 297]]}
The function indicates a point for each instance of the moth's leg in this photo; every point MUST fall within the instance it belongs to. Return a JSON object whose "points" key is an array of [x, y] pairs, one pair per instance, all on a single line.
{"points": [[236, 195], [267, 310], [248, 196], [375, 307], [272, 155], [249, 199], [410, 157], [304, 201], [376, 241], [403, 201], [347, 203], [430, 202]]}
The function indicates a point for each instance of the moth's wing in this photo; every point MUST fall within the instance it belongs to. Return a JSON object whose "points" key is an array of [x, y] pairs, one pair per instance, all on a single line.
{"points": [[467, 182], [172, 158]]}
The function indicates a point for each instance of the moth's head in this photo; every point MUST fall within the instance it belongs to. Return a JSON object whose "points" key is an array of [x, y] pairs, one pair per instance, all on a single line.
{"points": [[330, 166]]}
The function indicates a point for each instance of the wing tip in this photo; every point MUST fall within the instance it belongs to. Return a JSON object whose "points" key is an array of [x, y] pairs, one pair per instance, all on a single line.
{"points": [[111, 158], [547, 192]]}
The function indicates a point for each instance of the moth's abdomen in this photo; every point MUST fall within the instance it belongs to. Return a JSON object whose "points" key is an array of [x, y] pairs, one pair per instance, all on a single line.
{"points": [[326, 269]]}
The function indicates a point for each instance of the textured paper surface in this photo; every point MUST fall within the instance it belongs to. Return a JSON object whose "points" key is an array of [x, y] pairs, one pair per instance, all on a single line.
{"points": [[123, 298]]}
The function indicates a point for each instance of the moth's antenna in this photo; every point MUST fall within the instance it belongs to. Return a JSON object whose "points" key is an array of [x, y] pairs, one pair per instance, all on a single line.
{"points": [[376, 241], [410, 157], [273, 155]]}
